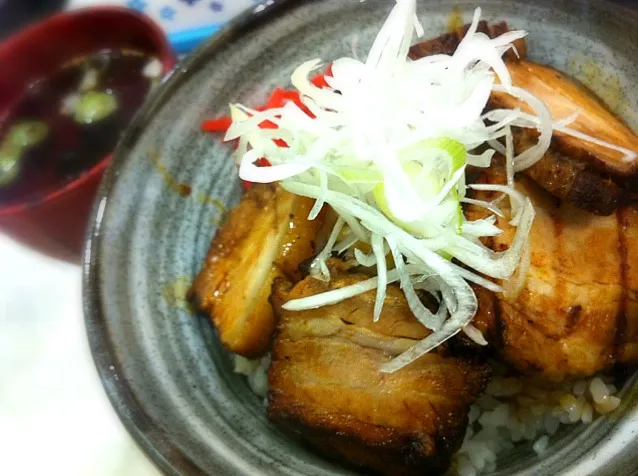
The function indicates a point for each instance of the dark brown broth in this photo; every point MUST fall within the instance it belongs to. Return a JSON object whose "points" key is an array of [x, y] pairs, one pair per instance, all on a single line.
{"points": [[71, 148]]}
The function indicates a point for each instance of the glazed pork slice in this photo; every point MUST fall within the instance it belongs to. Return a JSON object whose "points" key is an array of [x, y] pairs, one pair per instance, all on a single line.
{"points": [[325, 382], [564, 97], [566, 174], [588, 175], [448, 42], [266, 236], [574, 312], [627, 336], [592, 177]]}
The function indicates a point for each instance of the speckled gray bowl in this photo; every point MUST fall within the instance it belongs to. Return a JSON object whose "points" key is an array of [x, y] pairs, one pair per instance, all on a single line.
{"points": [[166, 375]]}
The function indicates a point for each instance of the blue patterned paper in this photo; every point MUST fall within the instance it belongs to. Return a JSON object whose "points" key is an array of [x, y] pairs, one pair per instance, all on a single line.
{"points": [[138, 5], [167, 13], [179, 15]]}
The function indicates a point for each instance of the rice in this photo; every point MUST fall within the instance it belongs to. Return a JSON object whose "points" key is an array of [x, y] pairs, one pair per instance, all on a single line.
{"points": [[520, 409], [512, 410], [256, 372], [541, 444]]}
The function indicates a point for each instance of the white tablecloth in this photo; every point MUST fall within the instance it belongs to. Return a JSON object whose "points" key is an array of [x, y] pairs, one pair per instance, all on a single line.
{"points": [[54, 416]]}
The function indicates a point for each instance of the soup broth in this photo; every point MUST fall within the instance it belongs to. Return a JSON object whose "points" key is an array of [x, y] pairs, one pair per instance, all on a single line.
{"points": [[66, 123]]}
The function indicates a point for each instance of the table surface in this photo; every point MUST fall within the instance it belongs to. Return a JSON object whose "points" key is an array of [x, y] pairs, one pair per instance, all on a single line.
{"points": [[55, 418]]}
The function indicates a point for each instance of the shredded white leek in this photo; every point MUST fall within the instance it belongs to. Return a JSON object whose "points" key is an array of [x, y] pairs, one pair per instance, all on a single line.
{"points": [[382, 273], [386, 147]]}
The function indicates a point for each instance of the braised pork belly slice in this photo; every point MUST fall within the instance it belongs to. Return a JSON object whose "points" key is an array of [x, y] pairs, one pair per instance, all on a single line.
{"points": [[266, 236], [574, 312], [589, 175], [447, 43], [326, 384], [566, 175]]}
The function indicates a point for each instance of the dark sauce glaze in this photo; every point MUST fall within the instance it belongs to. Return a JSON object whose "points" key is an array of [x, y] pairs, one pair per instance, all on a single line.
{"points": [[71, 148]]}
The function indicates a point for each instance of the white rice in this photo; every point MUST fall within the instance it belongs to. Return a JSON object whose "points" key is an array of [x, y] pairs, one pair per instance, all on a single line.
{"points": [[256, 372], [512, 410], [519, 409]]}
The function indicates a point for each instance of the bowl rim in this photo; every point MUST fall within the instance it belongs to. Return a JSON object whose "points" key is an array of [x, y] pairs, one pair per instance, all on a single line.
{"points": [[146, 432], [166, 56]]}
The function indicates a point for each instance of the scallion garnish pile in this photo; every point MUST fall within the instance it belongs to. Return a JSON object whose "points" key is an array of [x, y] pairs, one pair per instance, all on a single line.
{"points": [[386, 145]]}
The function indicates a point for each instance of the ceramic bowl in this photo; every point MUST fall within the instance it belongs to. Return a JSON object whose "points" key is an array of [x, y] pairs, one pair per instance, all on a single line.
{"points": [[167, 377]]}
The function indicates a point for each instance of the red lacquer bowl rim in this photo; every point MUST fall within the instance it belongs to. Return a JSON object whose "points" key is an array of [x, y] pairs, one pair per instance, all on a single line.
{"points": [[165, 54]]}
